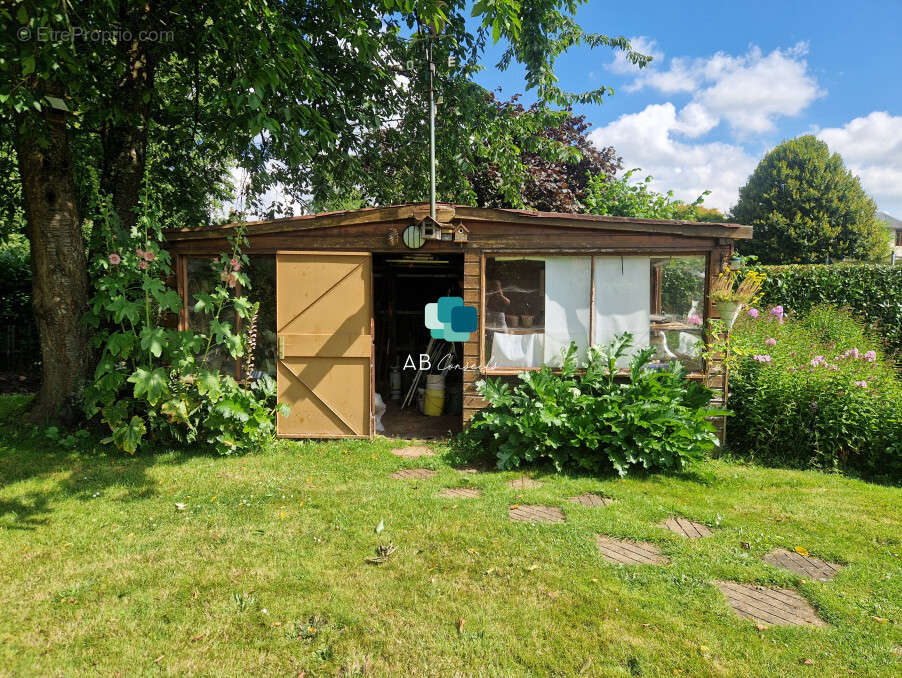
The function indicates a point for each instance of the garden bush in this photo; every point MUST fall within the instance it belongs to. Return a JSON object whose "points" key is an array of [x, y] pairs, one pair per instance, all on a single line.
{"points": [[582, 416], [814, 391], [157, 383], [873, 292]]}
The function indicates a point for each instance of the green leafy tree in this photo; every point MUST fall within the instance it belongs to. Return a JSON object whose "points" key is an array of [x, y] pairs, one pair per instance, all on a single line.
{"points": [[806, 207], [281, 90], [621, 198]]}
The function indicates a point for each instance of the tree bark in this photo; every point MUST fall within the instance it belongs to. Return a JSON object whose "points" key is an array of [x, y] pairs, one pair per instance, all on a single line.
{"points": [[59, 269], [125, 140]]}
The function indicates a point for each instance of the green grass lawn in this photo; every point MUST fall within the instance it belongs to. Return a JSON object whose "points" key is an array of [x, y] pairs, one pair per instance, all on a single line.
{"points": [[264, 571]]}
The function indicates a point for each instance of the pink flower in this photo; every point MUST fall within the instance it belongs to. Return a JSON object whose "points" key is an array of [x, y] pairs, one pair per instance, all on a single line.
{"points": [[770, 341], [863, 384], [149, 256], [752, 313], [762, 358], [777, 311], [139, 252], [235, 264], [818, 360], [142, 265], [224, 276], [693, 319], [232, 280], [851, 353], [871, 356], [115, 259]]}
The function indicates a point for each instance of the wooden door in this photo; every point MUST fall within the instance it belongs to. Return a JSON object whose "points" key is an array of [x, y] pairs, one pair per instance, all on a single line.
{"points": [[325, 331]]}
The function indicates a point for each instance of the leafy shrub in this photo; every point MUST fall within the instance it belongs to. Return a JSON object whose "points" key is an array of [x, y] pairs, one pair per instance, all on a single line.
{"points": [[157, 382], [814, 391], [873, 292], [585, 418]]}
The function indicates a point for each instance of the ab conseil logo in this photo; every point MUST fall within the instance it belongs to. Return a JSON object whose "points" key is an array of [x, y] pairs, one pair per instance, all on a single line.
{"points": [[450, 319]]}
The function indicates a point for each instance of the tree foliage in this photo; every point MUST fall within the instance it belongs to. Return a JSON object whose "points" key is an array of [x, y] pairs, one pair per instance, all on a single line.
{"points": [[621, 198], [490, 153], [806, 207]]}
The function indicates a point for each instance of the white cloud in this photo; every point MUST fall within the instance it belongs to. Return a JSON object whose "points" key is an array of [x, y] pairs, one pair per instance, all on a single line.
{"points": [[641, 44], [749, 91], [871, 146], [651, 139]]}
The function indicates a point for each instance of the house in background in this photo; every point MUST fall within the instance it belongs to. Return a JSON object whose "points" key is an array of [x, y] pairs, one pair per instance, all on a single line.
{"points": [[894, 226]]}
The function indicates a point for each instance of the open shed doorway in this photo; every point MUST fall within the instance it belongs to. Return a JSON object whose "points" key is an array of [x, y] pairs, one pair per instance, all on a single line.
{"points": [[402, 286]]}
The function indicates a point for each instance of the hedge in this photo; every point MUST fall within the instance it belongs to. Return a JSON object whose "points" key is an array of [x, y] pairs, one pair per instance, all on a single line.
{"points": [[872, 292]]}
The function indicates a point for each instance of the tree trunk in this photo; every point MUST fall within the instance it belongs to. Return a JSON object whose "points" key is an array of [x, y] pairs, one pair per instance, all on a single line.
{"points": [[59, 269], [125, 140]]}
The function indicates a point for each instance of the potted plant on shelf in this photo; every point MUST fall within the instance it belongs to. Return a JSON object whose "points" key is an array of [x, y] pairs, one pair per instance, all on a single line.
{"points": [[729, 298]]}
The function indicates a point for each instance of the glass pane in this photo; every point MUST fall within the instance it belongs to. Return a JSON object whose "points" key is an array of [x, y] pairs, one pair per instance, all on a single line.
{"points": [[535, 306], [678, 309], [622, 294], [261, 271], [203, 276]]}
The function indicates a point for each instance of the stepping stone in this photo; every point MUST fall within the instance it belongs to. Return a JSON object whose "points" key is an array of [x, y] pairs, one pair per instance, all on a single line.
{"points": [[591, 499], [457, 492], [629, 552], [524, 483], [413, 452], [807, 566], [415, 473], [769, 605], [687, 528], [536, 514]]}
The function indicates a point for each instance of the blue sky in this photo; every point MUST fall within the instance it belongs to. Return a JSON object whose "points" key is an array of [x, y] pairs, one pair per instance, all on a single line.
{"points": [[731, 80]]}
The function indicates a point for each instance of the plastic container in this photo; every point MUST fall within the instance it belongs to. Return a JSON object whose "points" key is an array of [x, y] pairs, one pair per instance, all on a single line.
{"points": [[435, 395], [395, 380]]}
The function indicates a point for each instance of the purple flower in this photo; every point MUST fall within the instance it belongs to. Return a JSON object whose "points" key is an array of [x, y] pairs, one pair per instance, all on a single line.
{"points": [[818, 360], [777, 311], [770, 341], [871, 356], [851, 353], [752, 313], [694, 319], [761, 358], [863, 384]]}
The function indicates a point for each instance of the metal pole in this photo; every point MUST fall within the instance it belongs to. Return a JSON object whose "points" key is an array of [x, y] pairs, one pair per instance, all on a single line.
{"points": [[431, 136]]}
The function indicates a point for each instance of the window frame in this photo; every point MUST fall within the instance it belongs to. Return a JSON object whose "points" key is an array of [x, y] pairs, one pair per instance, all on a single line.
{"points": [[708, 254]]}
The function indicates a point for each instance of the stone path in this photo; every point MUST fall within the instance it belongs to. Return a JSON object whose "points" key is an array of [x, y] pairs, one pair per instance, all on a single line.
{"points": [[769, 605], [687, 528], [413, 452], [591, 499], [807, 566], [458, 492], [629, 552], [764, 605], [524, 483], [536, 514], [415, 473]]}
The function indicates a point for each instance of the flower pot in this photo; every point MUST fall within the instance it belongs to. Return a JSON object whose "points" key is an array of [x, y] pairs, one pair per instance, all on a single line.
{"points": [[512, 320], [729, 311], [526, 320]]}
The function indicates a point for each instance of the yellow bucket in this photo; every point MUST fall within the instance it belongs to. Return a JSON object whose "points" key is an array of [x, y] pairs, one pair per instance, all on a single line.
{"points": [[435, 402]]}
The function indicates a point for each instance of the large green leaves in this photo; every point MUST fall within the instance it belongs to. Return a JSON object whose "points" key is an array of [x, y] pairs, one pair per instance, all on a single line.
{"points": [[150, 384]]}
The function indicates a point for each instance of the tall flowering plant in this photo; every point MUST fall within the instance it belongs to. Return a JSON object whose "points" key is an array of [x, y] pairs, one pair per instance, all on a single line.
{"points": [[156, 382]]}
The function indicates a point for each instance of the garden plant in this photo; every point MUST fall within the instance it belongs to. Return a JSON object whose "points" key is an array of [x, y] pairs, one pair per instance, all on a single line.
{"points": [[584, 416]]}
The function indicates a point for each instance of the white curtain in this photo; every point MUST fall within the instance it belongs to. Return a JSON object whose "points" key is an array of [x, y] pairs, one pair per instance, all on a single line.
{"points": [[622, 300], [567, 281]]}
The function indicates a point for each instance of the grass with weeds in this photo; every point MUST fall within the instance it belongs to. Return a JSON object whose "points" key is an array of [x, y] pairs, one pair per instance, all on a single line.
{"points": [[191, 564]]}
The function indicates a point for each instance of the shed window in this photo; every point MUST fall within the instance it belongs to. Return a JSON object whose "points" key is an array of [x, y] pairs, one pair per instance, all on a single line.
{"points": [[536, 305], [202, 278], [898, 238]]}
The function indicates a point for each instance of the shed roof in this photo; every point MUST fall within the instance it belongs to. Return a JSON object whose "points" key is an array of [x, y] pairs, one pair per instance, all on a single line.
{"points": [[447, 212]]}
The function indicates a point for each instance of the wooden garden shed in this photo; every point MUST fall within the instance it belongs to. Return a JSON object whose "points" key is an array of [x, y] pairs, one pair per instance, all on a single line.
{"points": [[343, 302]]}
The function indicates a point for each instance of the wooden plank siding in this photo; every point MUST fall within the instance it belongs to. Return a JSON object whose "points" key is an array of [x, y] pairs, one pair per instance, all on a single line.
{"points": [[491, 231]]}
